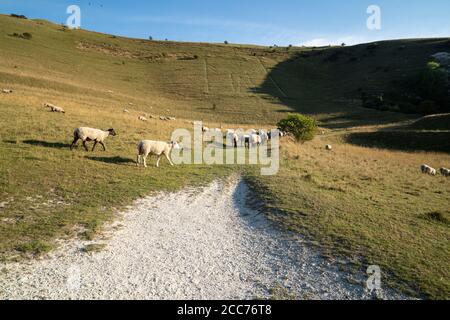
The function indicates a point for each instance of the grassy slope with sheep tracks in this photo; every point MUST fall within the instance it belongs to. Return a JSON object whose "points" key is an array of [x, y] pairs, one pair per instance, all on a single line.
{"points": [[360, 201]]}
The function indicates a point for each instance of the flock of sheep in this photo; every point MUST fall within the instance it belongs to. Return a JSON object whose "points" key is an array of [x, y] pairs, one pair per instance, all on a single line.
{"points": [[426, 169], [248, 139]]}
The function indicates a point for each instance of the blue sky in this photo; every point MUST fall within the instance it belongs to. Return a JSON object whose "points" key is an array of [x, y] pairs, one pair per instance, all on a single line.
{"points": [[264, 22]]}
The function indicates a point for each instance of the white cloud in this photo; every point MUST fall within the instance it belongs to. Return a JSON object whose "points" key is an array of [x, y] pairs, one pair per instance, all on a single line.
{"points": [[322, 42], [319, 42]]}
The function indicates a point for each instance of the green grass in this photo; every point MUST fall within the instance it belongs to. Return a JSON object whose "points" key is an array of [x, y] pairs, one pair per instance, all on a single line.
{"points": [[365, 200], [373, 206]]}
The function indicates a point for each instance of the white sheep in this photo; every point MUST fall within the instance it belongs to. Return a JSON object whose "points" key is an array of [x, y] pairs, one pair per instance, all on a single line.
{"points": [[89, 134], [233, 138], [205, 129], [158, 148], [142, 118], [7, 91], [54, 108], [445, 172], [428, 170], [329, 147], [255, 140], [126, 111], [264, 136]]}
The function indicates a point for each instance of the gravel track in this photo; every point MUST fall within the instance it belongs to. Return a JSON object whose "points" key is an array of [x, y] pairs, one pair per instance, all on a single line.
{"points": [[199, 243]]}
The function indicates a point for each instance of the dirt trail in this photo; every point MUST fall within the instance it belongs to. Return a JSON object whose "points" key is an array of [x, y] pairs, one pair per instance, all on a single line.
{"points": [[194, 244]]}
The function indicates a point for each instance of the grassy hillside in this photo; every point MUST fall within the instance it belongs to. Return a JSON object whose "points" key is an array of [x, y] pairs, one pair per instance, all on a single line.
{"points": [[366, 199]]}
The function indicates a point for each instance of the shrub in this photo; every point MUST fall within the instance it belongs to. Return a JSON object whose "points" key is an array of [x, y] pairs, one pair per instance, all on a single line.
{"points": [[19, 16], [303, 128], [432, 84]]}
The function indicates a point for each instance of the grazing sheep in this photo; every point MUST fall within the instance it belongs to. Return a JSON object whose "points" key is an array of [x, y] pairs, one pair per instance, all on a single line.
{"points": [[264, 136], [233, 138], [229, 132], [255, 140], [126, 110], [445, 172], [245, 140], [428, 170], [328, 147], [7, 91], [433, 172], [205, 129], [142, 118], [54, 108], [89, 134], [158, 148]]}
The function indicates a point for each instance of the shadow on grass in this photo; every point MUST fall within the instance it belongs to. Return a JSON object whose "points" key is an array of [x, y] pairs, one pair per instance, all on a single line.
{"points": [[46, 144], [112, 160], [402, 140]]}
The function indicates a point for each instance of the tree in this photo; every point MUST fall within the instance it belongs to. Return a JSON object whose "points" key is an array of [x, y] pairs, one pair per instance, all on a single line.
{"points": [[150, 38], [303, 128], [225, 42]]}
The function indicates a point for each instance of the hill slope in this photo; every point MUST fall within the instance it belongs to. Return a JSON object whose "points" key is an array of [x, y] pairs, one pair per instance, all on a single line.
{"points": [[196, 80], [358, 200]]}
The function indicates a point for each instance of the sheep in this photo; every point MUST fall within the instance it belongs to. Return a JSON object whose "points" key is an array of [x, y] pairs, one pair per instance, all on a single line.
{"points": [[90, 134], [233, 138], [428, 170], [328, 147], [7, 91], [445, 172], [229, 132], [255, 140], [158, 148], [205, 129], [245, 140], [142, 118], [126, 111], [54, 108], [264, 136], [432, 171]]}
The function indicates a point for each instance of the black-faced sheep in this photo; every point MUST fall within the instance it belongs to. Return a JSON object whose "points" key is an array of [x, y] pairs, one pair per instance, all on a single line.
{"points": [[89, 134]]}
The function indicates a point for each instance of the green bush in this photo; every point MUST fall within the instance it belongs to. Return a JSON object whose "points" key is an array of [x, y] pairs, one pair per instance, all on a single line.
{"points": [[303, 128]]}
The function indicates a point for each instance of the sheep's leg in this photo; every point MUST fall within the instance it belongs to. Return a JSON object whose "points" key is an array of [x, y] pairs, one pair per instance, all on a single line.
{"points": [[95, 144], [85, 146], [168, 158], [157, 161], [103, 145], [74, 143], [145, 161], [138, 160]]}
